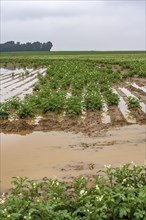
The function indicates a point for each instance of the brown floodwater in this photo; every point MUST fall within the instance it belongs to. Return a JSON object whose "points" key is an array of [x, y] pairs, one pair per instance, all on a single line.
{"points": [[66, 155]]}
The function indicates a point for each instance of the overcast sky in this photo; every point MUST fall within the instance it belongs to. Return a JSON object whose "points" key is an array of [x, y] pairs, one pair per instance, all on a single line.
{"points": [[76, 25]]}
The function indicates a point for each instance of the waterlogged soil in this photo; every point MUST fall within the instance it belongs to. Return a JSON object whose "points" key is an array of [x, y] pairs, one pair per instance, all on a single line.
{"points": [[92, 124], [68, 146], [65, 155]]}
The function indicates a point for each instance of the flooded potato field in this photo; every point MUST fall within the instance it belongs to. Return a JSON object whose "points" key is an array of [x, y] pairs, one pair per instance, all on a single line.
{"points": [[61, 130], [19, 82], [65, 155]]}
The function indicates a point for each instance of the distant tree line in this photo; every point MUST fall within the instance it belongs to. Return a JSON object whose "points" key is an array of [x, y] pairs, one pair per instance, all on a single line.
{"points": [[35, 46]]}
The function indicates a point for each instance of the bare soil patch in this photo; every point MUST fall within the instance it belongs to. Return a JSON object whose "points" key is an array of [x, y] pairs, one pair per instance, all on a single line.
{"points": [[15, 126]]}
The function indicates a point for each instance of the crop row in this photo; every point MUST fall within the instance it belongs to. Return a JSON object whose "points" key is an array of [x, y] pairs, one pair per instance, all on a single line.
{"points": [[135, 63], [69, 86], [83, 84]]}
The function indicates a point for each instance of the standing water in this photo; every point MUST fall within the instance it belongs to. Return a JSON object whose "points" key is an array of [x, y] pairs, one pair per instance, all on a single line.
{"points": [[18, 82], [66, 155]]}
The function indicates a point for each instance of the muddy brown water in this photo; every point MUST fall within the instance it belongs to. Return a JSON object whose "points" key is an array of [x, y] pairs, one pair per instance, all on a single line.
{"points": [[66, 155]]}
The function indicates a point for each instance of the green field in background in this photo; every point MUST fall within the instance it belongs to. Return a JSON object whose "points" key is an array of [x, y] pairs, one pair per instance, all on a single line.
{"points": [[70, 53]]}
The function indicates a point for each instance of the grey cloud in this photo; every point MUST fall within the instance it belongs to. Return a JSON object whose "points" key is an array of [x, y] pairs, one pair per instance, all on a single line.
{"points": [[15, 10], [25, 10], [76, 25]]}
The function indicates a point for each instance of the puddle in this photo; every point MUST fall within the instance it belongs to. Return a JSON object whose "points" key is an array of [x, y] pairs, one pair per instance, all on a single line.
{"points": [[128, 93], [124, 110], [25, 92], [18, 78], [3, 71], [143, 88], [105, 117], [10, 77], [19, 85], [7, 72], [65, 155], [17, 82]]}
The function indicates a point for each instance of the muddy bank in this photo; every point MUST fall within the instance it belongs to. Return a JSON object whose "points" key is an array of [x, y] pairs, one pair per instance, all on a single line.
{"points": [[66, 155], [15, 126], [92, 124]]}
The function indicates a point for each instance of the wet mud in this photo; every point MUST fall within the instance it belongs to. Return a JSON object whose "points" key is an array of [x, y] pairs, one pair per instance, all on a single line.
{"points": [[15, 126], [91, 125]]}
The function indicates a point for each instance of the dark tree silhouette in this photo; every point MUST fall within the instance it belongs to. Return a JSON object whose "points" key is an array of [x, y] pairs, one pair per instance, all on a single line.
{"points": [[35, 46]]}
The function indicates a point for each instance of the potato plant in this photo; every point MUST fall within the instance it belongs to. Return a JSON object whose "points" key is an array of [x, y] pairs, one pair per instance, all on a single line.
{"points": [[133, 102], [7, 107], [118, 194], [87, 78]]}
